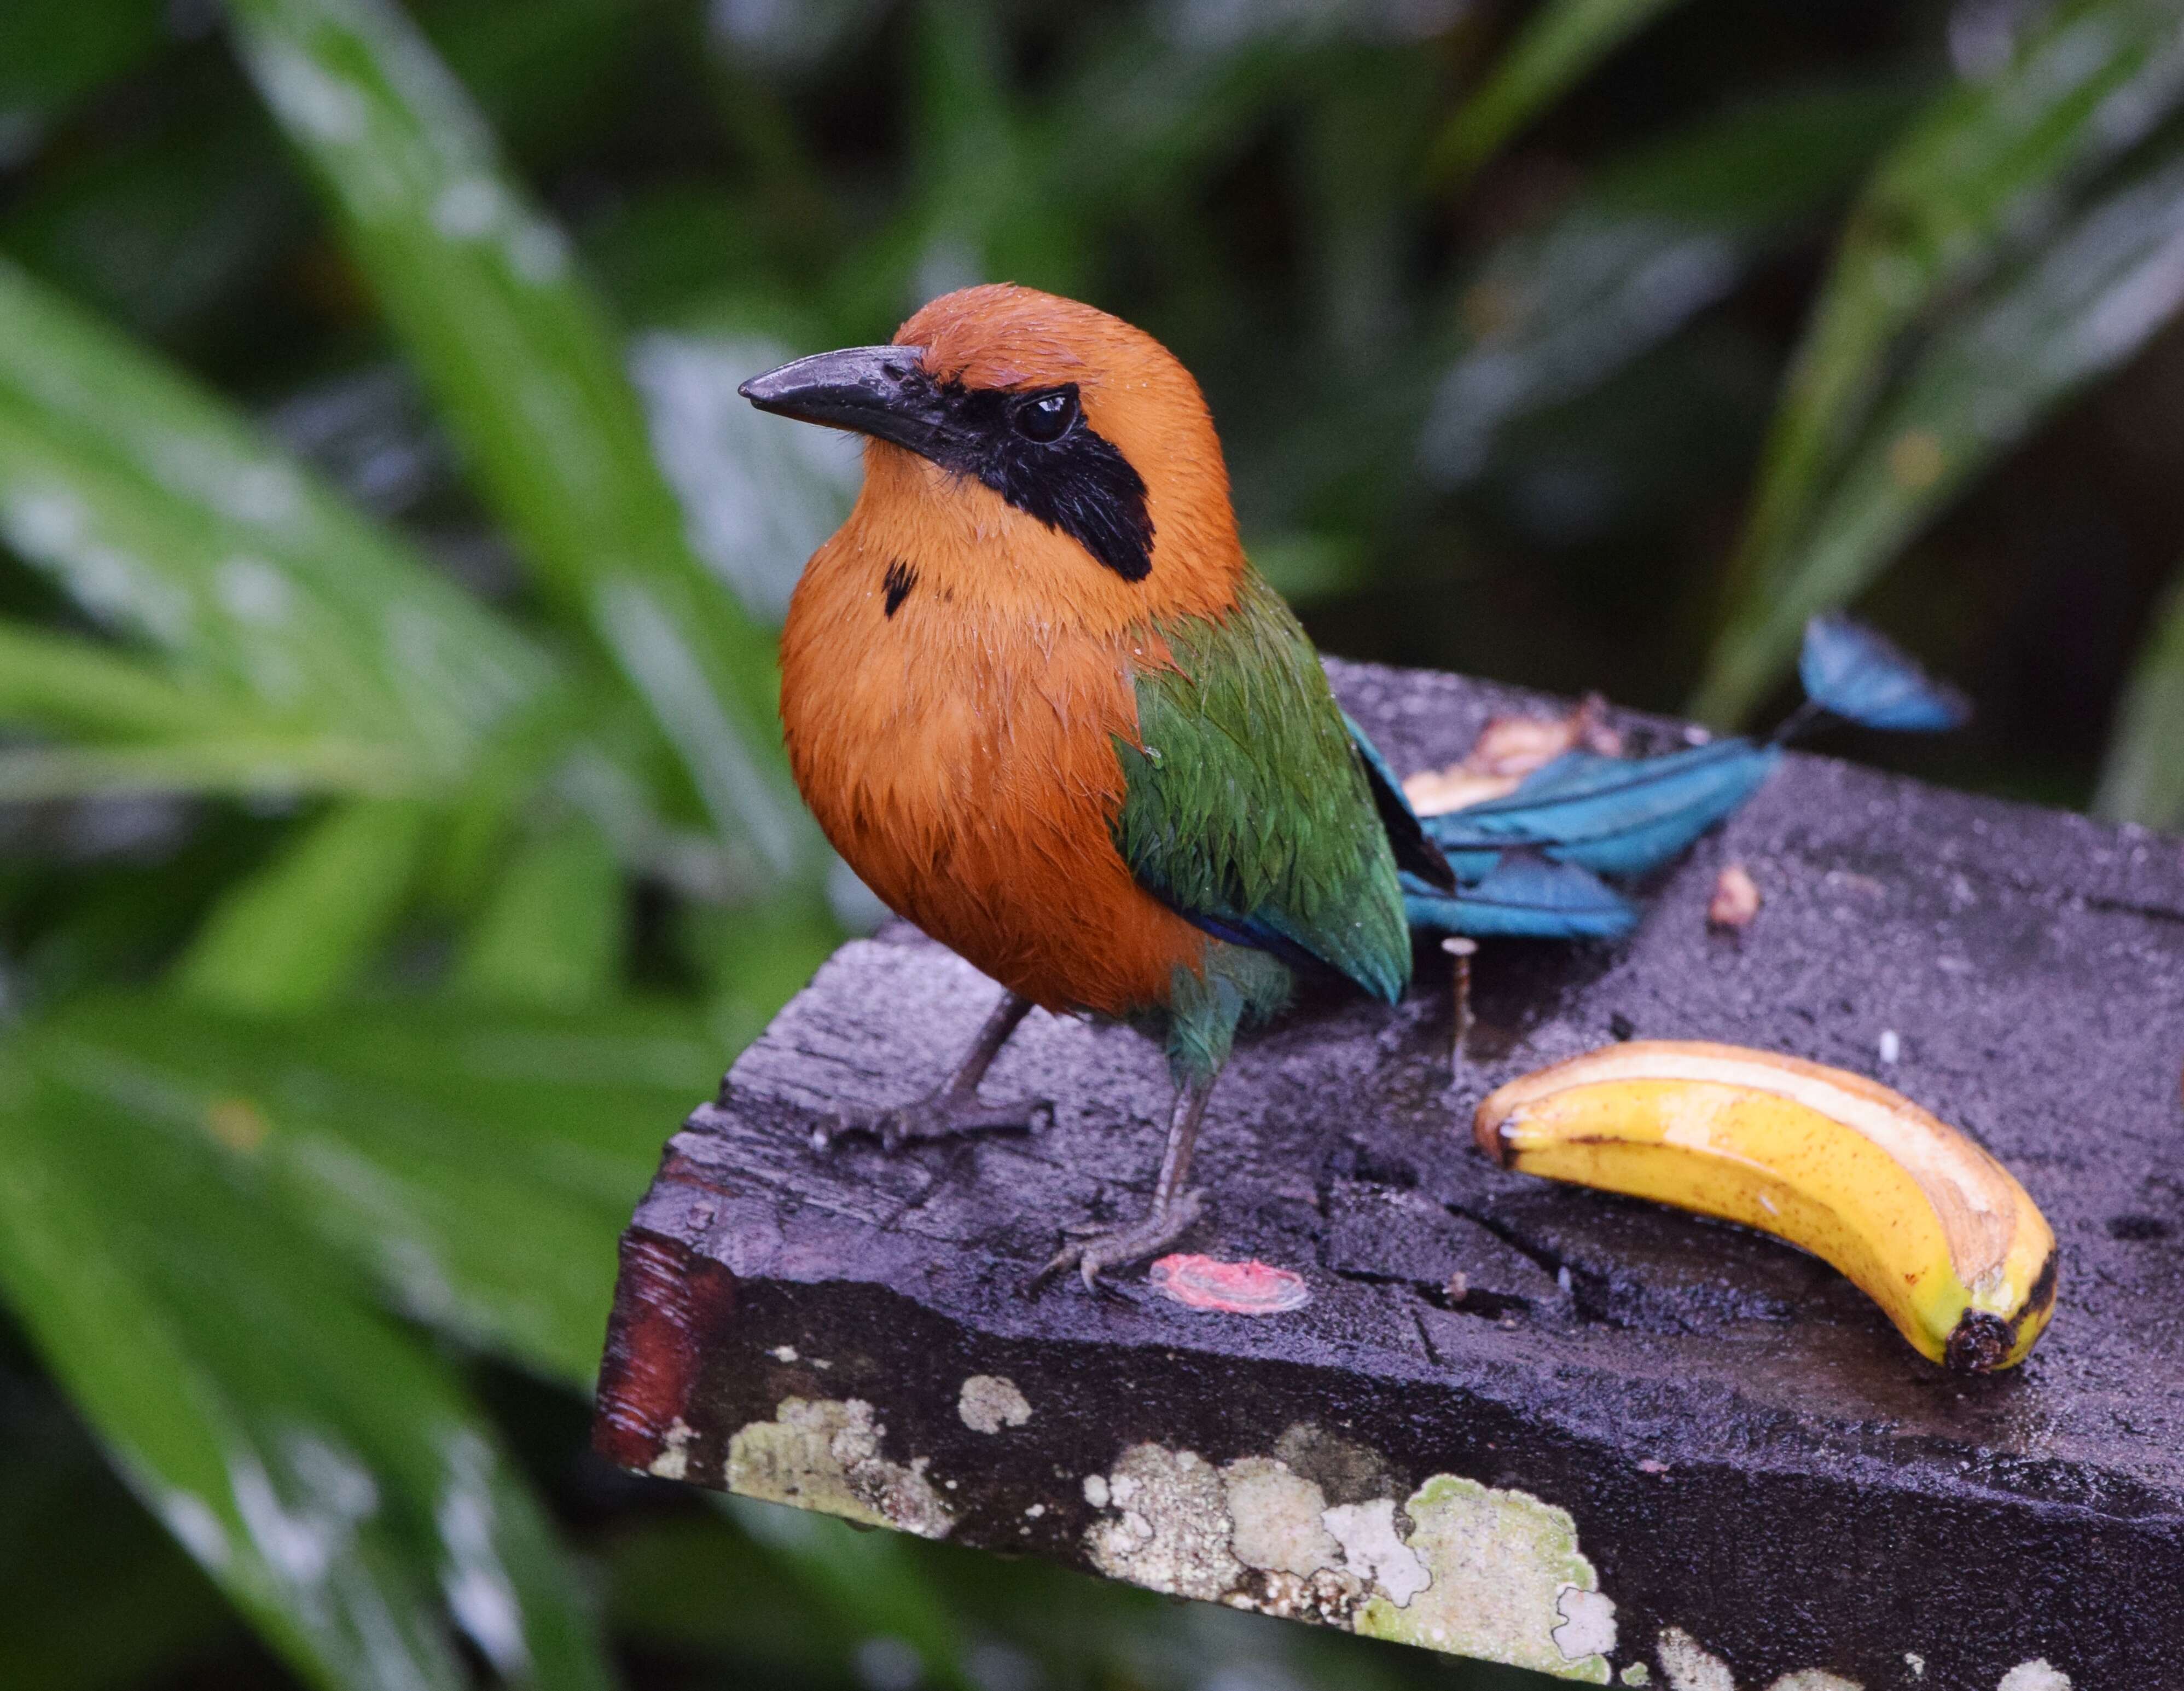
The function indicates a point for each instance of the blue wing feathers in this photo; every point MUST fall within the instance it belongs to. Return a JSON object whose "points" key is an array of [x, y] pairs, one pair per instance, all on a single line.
{"points": [[1415, 851], [1613, 816], [1530, 863], [1525, 895]]}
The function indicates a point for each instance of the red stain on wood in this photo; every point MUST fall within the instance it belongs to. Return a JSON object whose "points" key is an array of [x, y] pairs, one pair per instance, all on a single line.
{"points": [[671, 1306]]}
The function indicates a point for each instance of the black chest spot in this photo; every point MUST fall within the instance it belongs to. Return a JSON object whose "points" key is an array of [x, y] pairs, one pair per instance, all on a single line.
{"points": [[897, 583]]}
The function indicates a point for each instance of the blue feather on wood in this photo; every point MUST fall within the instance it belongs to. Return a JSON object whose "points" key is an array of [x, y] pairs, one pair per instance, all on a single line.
{"points": [[1525, 896], [1611, 814], [1529, 863]]}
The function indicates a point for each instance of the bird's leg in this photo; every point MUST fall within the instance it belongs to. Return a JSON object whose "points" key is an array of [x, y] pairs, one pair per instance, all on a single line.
{"points": [[954, 1107], [1175, 1206]]}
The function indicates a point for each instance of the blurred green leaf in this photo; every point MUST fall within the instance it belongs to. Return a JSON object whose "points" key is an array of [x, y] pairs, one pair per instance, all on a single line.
{"points": [[963, 131], [754, 958], [2096, 295], [1988, 170], [478, 1166], [760, 498], [93, 1595], [54, 52], [540, 768], [270, 765], [696, 1586], [1561, 42], [789, 44], [546, 72], [1666, 232], [1141, 124], [190, 203], [60, 681], [166, 221], [1367, 113], [552, 937], [1659, 435], [2142, 779], [871, 1581], [659, 250], [974, 211], [1305, 566], [181, 737], [72, 919], [175, 526], [480, 285], [312, 1458], [1001, 187], [296, 934], [791, 225]]}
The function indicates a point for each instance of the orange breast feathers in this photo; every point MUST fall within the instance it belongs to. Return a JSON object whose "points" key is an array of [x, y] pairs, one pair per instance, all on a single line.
{"points": [[959, 754], [955, 672]]}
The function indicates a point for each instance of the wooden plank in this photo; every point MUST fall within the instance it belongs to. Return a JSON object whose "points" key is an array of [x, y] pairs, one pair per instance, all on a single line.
{"points": [[1644, 1445]]}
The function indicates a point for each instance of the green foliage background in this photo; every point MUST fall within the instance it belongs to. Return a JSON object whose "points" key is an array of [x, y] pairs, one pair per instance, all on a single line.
{"points": [[393, 838]]}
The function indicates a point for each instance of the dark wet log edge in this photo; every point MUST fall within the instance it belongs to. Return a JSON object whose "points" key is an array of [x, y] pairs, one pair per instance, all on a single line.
{"points": [[1712, 1432]]}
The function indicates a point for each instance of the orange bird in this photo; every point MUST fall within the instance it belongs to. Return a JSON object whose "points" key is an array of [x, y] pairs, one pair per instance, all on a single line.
{"points": [[1041, 703]]}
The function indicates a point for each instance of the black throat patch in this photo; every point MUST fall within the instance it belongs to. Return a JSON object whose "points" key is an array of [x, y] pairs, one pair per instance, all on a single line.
{"points": [[1078, 484]]}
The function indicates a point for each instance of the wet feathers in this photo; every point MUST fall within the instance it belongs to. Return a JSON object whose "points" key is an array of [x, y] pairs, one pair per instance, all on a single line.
{"points": [[1122, 791]]}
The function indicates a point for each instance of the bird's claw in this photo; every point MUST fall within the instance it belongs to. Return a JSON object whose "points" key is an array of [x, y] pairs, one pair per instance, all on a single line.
{"points": [[1092, 1248], [944, 1115]]}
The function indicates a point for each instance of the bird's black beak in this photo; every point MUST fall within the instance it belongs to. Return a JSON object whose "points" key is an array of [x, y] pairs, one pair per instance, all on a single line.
{"points": [[876, 390]]}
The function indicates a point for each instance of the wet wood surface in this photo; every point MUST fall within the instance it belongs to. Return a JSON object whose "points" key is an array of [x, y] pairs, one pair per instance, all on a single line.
{"points": [[1671, 1446]]}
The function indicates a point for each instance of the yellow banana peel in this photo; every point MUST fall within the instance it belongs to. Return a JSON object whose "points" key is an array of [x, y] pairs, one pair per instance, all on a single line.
{"points": [[1925, 1222]]}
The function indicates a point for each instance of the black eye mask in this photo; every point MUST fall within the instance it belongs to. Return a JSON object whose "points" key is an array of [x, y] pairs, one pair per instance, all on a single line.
{"points": [[1034, 448], [1037, 451]]}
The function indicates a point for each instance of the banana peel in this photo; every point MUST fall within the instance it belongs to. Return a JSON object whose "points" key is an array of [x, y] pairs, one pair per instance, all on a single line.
{"points": [[1915, 1213]]}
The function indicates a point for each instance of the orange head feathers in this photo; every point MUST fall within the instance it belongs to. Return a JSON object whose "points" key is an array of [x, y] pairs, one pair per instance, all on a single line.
{"points": [[1034, 456]]}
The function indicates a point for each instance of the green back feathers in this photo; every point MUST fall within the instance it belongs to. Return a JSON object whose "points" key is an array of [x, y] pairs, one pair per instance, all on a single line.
{"points": [[1248, 810]]}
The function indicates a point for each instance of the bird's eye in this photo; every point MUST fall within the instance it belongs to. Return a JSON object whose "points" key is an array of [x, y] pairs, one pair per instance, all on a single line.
{"points": [[1047, 416]]}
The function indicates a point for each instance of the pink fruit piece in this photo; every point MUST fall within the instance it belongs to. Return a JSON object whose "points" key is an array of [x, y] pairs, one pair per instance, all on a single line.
{"points": [[1252, 1288]]}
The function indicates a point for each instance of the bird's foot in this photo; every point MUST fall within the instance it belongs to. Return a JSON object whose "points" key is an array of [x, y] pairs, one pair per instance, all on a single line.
{"points": [[1094, 1248], [945, 1114]]}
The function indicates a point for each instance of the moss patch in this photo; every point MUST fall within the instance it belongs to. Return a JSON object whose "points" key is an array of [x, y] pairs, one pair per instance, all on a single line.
{"points": [[824, 1453], [1499, 1563]]}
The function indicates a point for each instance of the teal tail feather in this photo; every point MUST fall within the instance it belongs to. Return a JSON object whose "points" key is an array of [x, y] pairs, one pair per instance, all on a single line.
{"points": [[1525, 895], [1530, 863]]}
